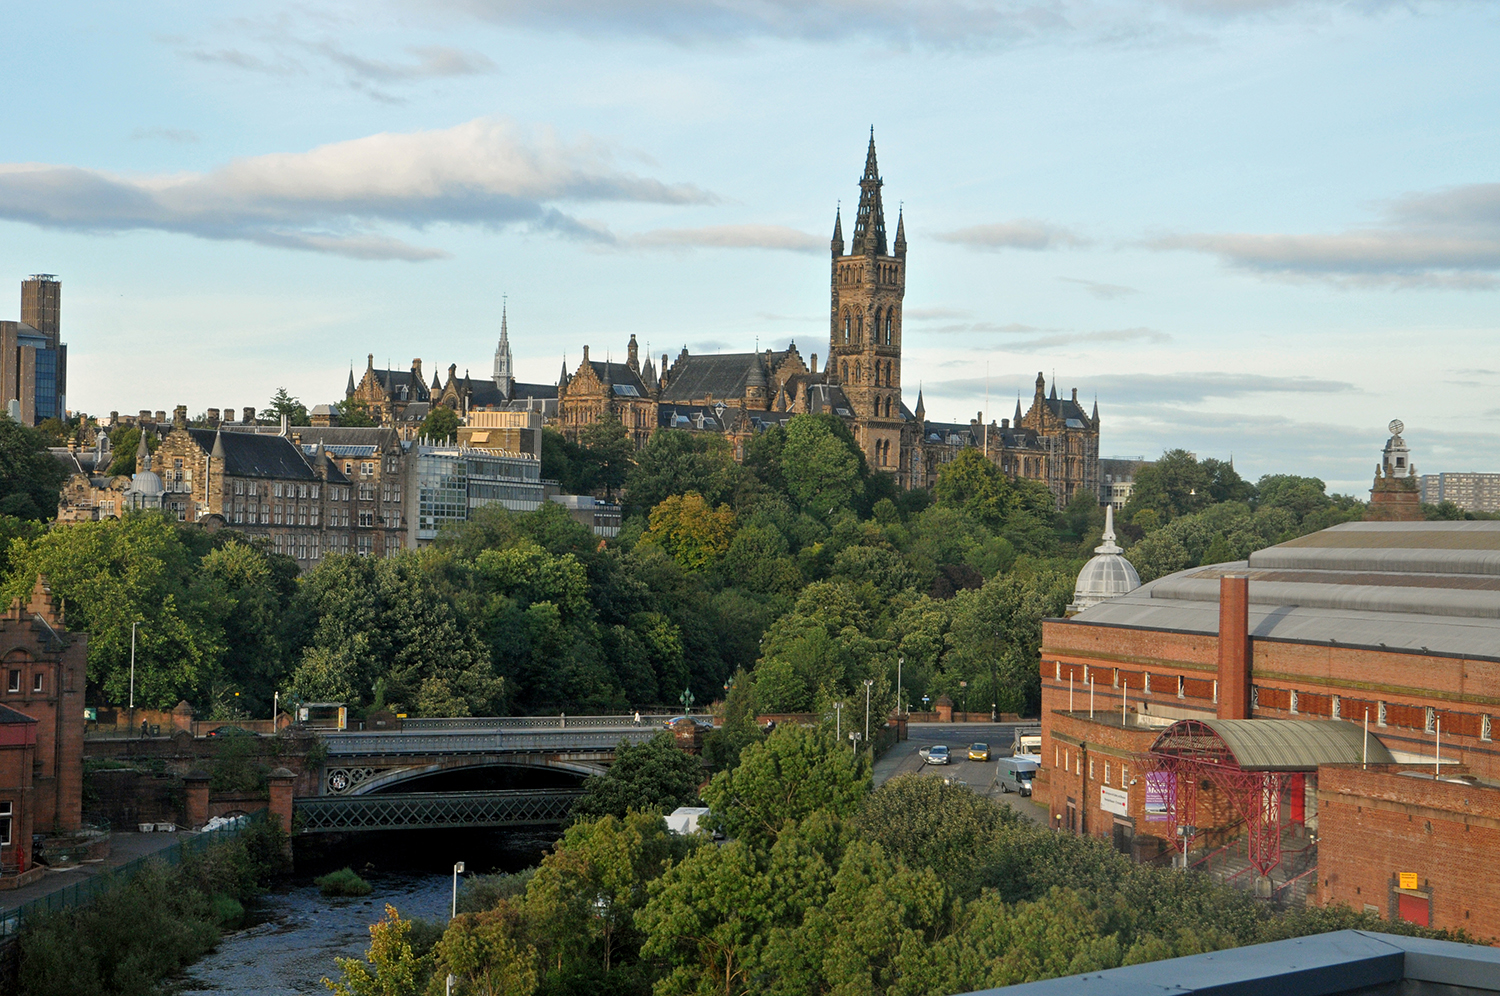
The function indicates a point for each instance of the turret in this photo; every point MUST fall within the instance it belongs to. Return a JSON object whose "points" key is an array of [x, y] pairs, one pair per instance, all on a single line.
{"points": [[837, 242], [901, 233], [632, 357], [921, 411]]}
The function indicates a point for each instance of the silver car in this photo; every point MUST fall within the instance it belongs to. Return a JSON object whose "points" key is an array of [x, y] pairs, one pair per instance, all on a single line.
{"points": [[938, 755]]}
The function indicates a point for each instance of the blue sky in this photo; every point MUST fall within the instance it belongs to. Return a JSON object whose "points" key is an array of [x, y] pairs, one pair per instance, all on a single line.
{"points": [[1259, 228]]}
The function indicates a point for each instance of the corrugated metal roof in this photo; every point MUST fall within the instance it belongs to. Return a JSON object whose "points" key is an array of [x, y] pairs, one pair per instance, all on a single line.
{"points": [[1293, 744]]}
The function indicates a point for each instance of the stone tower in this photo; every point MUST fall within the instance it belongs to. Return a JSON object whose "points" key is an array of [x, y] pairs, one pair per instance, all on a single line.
{"points": [[864, 352], [1395, 496]]}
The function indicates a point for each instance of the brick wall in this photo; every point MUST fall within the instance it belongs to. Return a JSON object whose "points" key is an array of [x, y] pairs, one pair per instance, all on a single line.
{"points": [[1377, 824]]}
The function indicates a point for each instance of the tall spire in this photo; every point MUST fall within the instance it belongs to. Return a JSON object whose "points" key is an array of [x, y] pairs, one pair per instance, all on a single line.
{"points": [[901, 231], [837, 242], [349, 391], [921, 412], [1017, 421], [504, 374], [869, 224]]}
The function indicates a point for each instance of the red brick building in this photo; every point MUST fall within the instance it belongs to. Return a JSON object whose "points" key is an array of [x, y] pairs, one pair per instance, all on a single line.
{"points": [[1397, 621], [42, 674]]}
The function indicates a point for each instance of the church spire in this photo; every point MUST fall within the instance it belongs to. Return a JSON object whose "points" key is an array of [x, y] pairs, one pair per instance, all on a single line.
{"points": [[869, 224], [349, 391], [1017, 421], [504, 374], [837, 242], [901, 231], [921, 412]]}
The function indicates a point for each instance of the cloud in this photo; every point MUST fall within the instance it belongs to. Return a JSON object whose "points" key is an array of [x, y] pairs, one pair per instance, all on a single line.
{"points": [[1446, 239], [953, 24], [164, 134], [962, 328], [432, 62], [486, 172], [732, 237], [1191, 388], [1023, 233], [929, 314], [1073, 340], [1104, 292]]}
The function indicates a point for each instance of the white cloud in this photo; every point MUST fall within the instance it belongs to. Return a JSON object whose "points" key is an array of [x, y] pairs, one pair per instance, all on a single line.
{"points": [[1104, 292], [1447, 239], [1022, 233], [430, 62], [485, 172], [732, 237]]}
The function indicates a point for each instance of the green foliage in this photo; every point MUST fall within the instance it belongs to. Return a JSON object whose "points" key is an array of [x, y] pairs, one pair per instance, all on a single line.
{"points": [[390, 967], [1172, 486], [608, 453], [821, 465], [692, 532], [283, 403], [355, 414], [237, 767], [651, 777], [441, 424], [794, 773], [30, 477], [343, 882], [123, 442], [676, 462], [477, 893]]}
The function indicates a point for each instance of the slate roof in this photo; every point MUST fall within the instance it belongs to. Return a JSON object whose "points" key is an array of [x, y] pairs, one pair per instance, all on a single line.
{"points": [[374, 437], [394, 380], [828, 399], [1066, 408], [9, 715], [248, 454], [620, 375], [722, 375], [973, 435]]}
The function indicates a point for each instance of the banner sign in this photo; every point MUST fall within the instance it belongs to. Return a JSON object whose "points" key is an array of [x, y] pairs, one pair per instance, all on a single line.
{"points": [[1160, 787], [1115, 801]]}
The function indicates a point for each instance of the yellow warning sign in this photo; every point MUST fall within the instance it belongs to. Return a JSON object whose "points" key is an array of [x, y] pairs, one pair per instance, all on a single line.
{"points": [[1408, 880]]}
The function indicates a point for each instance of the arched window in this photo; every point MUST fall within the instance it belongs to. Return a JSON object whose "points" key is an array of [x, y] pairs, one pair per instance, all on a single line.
{"points": [[844, 370], [887, 328], [846, 326], [859, 329], [876, 326]]}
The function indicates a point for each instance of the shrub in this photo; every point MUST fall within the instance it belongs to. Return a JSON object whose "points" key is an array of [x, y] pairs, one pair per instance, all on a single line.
{"points": [[343, 883]]}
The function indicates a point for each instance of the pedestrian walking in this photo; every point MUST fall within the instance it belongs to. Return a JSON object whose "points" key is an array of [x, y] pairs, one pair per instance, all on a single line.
{"points": [[637, 717]]}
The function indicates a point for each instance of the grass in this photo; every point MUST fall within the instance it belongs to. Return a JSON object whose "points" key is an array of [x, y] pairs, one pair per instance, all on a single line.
{"points": [[342, 883]]}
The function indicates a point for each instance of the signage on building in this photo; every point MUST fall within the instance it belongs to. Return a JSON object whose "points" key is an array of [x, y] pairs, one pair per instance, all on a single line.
{"points": [[1159, 788], [1409, 880], [1115, 801]]}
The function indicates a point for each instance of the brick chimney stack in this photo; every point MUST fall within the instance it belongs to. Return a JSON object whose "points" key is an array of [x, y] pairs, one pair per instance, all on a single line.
{"points": [[1234, 647]]}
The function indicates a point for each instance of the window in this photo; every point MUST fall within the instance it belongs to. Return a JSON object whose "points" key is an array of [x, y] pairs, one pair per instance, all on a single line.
{"points": [[367, 492], [301, 547], [1292, 699], [315, 490], [314, 514], [277, 541], [1254, 697], [302, 491], [397, 491], [1057, 666], [1091, 769], [265, 515], [1380, 714], [277, 514], [1216, 690], [239, 487], [1431, 719], [277, 490], [5, 817], [38, 682], [13, 681], [1336, 707], [1106, 772], [1484, 727], [367, 519], [385, 492], [313, 544], [366, 469], [1146, 683], [1181, 687], [887, 328], [366, 545], [254, 489], [348, 467], [1124, 776], [846, 326]]}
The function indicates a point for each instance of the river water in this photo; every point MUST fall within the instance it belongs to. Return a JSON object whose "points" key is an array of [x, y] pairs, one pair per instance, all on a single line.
{"points": [[295, 932]]}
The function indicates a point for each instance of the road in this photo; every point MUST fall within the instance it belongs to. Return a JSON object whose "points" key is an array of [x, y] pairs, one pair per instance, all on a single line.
{"points": [[904, 759]]}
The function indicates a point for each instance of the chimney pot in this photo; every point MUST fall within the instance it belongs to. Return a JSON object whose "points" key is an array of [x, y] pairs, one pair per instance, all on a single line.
{"points": [[1234, 647]]}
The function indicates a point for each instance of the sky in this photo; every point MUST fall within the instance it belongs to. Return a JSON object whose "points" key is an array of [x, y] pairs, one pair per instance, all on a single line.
{"points": [[1257, 229]]}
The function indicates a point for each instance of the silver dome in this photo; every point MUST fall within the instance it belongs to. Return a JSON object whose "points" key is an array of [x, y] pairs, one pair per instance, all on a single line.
{"points": [[146, 484], [1106, 575]]}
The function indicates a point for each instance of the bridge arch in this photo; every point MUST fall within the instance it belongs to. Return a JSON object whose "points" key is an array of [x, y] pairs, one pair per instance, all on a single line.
{"points": [[396, 776]]}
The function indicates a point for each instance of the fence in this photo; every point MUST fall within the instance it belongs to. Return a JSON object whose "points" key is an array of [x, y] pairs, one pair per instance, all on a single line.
{"points": [[560, 721], [13, 920], [390, 744]]}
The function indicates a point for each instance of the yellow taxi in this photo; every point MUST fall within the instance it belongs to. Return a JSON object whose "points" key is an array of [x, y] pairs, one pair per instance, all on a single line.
{"points": [[979, 752]]}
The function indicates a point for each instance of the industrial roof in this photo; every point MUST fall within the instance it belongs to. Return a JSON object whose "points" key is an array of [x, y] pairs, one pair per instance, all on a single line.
{"points": [[1351, 962], [1281, 744], [1422, 587]]}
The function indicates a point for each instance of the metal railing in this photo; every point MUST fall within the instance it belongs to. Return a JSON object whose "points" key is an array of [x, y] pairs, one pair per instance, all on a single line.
{"points": [[392, 744], [13, 920], [432, 810], [561, 721]]}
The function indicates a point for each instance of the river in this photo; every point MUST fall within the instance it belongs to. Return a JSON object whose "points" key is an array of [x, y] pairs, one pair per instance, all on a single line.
{"points": [[295, 932]]}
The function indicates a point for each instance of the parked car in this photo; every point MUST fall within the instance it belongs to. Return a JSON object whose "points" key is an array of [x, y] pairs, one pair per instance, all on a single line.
{"points": [[979, 752], [704, 721], [229, 731], [938, 755], [1013, 774]]}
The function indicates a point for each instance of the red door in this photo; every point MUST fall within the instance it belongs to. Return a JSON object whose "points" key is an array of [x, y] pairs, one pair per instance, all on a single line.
{"points": [[1412, 909], [1297, 792]]}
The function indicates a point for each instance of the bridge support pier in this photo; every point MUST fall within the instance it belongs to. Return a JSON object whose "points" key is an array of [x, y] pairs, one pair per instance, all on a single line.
{"points": [[280, 783], [195, 806]]}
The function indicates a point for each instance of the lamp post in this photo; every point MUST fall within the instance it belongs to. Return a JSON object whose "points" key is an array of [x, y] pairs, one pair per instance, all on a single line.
{"points": [[965, 686], [854, 739], [899, 662], [458, 869], [838, 720], [868, 683], [686, 698], [132, 672]]}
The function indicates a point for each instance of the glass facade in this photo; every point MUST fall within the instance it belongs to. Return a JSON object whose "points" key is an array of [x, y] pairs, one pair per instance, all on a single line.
{"points": [[452, 480]]}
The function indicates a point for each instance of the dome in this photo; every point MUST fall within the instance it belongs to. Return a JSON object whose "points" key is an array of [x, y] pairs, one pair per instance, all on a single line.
{"points": [[1106, 575], [145, 490]]}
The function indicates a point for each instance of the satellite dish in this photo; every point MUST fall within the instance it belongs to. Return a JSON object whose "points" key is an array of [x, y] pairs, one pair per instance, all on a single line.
{"points": [[1396, 426]]}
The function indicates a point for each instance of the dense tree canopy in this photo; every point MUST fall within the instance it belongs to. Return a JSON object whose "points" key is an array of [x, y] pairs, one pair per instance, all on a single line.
{"points": [[29, 477]]}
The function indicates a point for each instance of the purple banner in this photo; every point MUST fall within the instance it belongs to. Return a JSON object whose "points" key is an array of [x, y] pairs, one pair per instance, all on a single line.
{"points": [[1161, 786]]}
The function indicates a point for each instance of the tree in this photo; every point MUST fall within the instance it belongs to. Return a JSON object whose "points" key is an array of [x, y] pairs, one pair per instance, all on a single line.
{"points": [[283, 403], [929, 824], [820, 465], [355, 414], [690, 531], [30, 479], [256, 590], [1176, 484], [487, 954], [653, 777], [675, 462], [1224, 482], [441, 424], [790, 775], [390, 968], [1299, 495], [609, 452], [124, 442], [998, 629]]}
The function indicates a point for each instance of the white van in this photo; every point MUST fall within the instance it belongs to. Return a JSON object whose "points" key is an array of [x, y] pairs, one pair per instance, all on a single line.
{"points": [[1013, 774]]}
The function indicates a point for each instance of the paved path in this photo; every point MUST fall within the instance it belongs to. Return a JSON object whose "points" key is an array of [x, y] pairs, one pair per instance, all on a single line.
{"points": [[904, 759], [123, 847]]}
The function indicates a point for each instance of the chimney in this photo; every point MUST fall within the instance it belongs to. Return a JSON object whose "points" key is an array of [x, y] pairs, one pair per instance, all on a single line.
{"points": [[229, 413], [212, 417], [1234, 647], [1005, 423], [161, 417], [812, 363], [249, 415], [179, 417]]}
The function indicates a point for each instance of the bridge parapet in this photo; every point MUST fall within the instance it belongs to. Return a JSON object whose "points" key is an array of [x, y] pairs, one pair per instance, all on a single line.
{"points": [[494, 742], [559, 722]]}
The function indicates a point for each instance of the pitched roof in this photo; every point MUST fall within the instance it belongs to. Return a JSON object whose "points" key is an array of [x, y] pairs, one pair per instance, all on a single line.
{"points": [[247, 454], [722, 375], [619, 375], [9, 715]]}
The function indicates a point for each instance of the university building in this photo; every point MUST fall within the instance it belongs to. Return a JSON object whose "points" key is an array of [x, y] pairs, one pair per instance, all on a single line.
{"points": [[33, 358]]}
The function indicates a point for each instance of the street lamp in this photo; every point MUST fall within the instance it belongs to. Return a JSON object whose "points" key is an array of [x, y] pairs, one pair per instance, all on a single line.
{"points": [[838, 720], [854, 739], [686, 698], [868, 683], [132, 672], [899, 662], [965, 686], [458, 869]]}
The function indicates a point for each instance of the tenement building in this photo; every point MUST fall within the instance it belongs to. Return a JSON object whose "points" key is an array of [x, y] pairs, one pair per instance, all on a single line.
{"points": [[1470, 492], [1320, 716]]}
